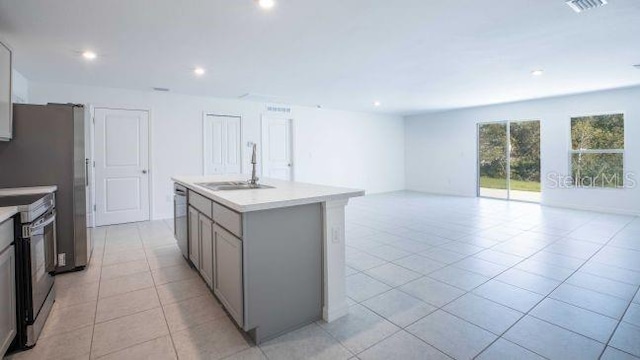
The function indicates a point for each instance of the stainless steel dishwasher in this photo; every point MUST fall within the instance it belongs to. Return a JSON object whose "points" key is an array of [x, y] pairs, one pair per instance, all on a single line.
{"points": [[180, 218]]}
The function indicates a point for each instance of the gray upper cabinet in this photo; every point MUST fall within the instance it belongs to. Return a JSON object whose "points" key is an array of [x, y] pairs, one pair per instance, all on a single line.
{"points": [[6, 110], [194, 237], [228, 272], [206, 249], [7, 287]]}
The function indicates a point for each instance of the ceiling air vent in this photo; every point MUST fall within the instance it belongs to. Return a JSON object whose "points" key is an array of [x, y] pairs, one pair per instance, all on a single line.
{"points": [[161, 89], [637, 66], [582, 5], [285, 110]]}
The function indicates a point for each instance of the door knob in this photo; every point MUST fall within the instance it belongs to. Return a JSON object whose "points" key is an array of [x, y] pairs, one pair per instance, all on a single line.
{"points": [[144, 171], [289, 164]]}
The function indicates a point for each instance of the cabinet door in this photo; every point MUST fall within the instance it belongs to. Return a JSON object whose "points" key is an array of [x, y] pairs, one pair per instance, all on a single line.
{"points": [[194, 237], [206, 248], [228, 272], [7, 299]]}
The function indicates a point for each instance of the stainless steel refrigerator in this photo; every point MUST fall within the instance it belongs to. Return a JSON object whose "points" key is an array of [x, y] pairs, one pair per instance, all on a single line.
{"points": [[48, 148]]}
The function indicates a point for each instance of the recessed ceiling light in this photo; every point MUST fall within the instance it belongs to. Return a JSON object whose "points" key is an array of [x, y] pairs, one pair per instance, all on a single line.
{"points": [[89, 55], [267, 4], [376, 103], [198, 71], [538, 72]]}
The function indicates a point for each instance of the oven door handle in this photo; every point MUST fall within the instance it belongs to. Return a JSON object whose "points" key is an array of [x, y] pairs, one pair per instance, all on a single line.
{"points": [[43, 222]]}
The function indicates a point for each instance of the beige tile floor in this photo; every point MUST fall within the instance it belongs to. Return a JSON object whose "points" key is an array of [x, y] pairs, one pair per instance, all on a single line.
{"points": [[138, 299], [428, 277]]}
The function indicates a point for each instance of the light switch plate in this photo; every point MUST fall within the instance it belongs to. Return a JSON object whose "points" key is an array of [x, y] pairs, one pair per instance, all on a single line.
{"points": [[62, 259], [335, 235]]}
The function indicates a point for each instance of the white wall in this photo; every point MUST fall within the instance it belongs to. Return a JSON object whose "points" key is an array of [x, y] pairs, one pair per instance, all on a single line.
{"points": [[19, 88], [441, 148], [331, 147]]}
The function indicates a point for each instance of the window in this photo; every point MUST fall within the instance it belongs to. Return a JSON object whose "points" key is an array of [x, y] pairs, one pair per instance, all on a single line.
{"points": [[597, 151]]}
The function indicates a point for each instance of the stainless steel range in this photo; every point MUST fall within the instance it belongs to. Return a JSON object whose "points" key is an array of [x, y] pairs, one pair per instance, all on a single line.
{"points": [[35, 263]]}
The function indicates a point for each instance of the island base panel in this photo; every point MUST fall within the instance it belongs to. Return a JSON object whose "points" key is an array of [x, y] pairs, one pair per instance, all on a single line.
{"points": [[283, 269]]}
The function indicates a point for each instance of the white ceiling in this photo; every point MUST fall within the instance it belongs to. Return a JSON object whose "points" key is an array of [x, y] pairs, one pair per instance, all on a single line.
{"points": [[411, 55]]}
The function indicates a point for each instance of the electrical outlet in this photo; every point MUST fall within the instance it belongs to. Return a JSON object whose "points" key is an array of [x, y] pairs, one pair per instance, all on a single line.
{"points": [[62, 259], [335, 235]]}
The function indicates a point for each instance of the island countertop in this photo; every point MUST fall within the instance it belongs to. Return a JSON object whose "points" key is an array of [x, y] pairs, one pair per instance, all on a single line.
{"points": [[283, 193]]}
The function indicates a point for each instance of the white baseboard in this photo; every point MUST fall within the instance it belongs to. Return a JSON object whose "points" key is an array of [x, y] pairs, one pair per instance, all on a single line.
{"points": [[600, 209]]}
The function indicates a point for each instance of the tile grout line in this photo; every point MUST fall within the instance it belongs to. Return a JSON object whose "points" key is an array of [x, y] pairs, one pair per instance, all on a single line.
{"points": [[442, 307], [495, 278], [554, 289], [104, 246], [123, 316], [508, 268], [618, 325], [355, 354], [95, 314], [426, 275], [155, 287], [499, 336], [466, 292]]}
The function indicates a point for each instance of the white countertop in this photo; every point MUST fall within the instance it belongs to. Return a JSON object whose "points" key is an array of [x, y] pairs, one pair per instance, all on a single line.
{"points": [[28, 190], [284, 193], [7, 212]]}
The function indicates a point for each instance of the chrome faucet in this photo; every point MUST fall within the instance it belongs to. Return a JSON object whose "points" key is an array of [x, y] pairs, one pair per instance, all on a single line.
{"points": [[254, 179]]}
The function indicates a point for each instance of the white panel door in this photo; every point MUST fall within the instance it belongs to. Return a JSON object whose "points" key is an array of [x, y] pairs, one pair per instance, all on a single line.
{"points": [[276, 148], [121, 166], [222, 136]]}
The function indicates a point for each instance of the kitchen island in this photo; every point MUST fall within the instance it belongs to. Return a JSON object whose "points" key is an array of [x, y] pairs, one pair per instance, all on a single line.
{"points": [[274, 256]]}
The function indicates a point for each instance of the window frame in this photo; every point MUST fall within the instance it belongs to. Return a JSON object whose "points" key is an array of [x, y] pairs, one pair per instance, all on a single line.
{"points": [[600, 151]]}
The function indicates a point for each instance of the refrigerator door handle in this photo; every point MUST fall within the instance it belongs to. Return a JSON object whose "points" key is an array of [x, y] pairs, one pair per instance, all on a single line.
{"points": [[86, 172]]}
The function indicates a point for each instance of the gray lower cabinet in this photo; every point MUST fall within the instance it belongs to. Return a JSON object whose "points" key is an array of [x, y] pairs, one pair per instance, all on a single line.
{"points": [[194, 237], [228, 272], [7, 287], [206, 249]]}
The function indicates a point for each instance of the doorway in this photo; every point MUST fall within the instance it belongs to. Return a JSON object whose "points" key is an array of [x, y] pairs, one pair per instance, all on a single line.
{"points": [[121, 166], [277, 148], [222, 149], [509, 160]]}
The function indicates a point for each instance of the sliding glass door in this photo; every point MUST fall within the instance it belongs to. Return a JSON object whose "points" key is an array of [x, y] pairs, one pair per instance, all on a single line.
{"points": [[524, 164], [493, 166], [509, 160]]}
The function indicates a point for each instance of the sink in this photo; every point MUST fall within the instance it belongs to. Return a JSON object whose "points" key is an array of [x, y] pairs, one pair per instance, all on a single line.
{"points": [[232, 185]]}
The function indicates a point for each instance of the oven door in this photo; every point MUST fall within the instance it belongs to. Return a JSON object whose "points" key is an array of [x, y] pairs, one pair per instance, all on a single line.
{"points": [[43, 258]]}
